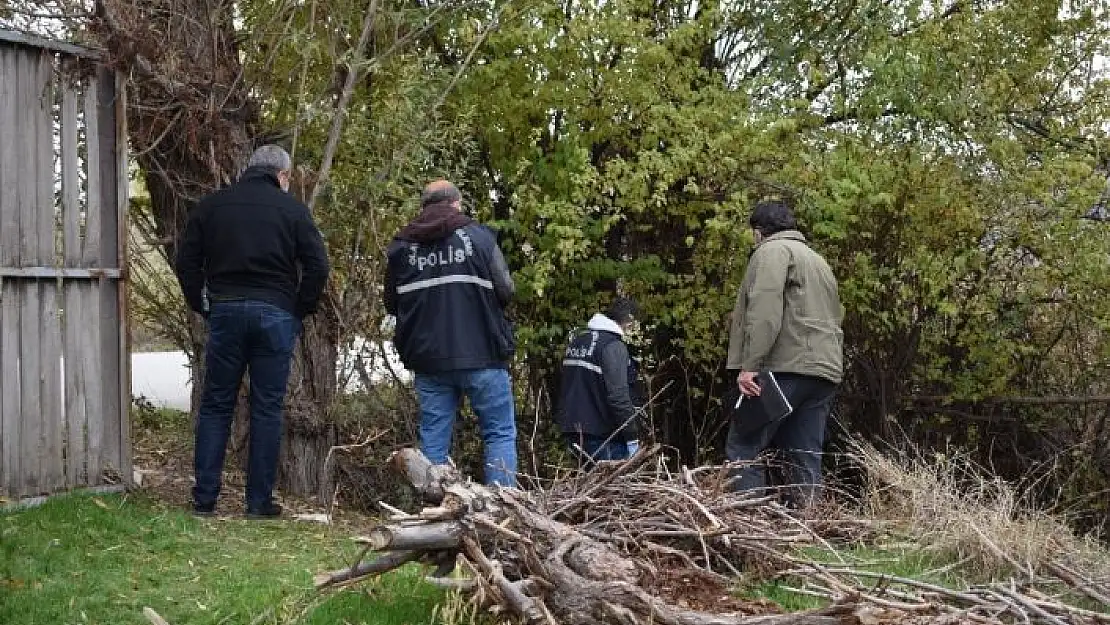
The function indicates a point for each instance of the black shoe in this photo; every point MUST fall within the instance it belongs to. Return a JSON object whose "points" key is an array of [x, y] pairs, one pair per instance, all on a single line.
{"points": [[268, 511], [204, 511]]}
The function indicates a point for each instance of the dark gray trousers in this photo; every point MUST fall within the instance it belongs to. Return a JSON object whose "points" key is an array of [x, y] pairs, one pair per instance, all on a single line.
{"points": [[798, 439]]}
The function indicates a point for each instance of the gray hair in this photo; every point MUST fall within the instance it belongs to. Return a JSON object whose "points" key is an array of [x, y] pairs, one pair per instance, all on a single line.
{"points": [[271, 157], [446, 193]]}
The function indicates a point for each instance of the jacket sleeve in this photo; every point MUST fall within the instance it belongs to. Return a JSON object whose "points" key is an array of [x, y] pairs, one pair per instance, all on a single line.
{"points": [[736, 332], [502, 278], [763, 314], [189, 263], [313, 257], [614, 370]]}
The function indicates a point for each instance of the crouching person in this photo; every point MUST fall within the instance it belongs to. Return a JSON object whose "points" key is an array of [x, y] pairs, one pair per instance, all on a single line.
{"points": [[595, 411]]}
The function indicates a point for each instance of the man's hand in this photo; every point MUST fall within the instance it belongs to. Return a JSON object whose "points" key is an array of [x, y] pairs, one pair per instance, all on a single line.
{"points": [[748, 385]]}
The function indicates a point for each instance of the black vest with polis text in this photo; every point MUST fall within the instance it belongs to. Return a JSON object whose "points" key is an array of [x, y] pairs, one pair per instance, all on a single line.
{"points": [[583, 406], [448, 316]]}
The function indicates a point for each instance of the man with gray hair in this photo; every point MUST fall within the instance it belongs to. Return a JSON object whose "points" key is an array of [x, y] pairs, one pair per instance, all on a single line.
{"points": [[253, 263]]}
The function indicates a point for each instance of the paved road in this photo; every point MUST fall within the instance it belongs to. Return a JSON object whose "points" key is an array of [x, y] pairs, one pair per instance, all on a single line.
{"points": [[163, 377]]}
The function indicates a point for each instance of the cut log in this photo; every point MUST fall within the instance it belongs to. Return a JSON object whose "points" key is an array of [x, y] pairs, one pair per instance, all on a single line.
{"points": [[430, 537], [428, 479]]}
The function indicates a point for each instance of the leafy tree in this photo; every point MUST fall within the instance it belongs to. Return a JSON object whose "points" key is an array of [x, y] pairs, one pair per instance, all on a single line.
{"points": [[941, 155]]}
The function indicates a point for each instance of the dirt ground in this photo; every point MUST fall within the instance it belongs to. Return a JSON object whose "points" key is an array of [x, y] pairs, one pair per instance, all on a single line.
{"points": [[163, 460], [694, 589]]}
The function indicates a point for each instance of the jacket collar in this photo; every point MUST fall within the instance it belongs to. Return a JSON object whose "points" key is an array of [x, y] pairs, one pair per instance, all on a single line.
{"points": [[435, 222], [260, 173], [605, 324], [785, 235]]}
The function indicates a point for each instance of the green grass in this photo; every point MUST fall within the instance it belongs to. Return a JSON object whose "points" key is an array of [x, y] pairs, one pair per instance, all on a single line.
{"points": [[898, 560], [85, 559], [99, 560]]}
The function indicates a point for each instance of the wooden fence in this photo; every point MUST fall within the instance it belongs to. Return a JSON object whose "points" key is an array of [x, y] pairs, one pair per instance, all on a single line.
{"points": [[64, 355]]}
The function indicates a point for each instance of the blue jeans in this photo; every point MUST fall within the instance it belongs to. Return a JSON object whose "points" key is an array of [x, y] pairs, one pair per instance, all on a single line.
{"points": [[242, 335], [592, 449], [491, 396]]}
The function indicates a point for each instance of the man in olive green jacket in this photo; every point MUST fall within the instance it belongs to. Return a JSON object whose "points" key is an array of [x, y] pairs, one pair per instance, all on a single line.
{"points": [[786, 321]]}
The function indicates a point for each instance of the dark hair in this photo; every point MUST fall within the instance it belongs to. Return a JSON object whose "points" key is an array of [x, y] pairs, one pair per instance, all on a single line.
{"points": [[448, 193], [623, 309], [771, 216]]}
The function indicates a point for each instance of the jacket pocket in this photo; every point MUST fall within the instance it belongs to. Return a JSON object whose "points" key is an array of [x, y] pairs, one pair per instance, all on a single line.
{"points": [[824, 341]]}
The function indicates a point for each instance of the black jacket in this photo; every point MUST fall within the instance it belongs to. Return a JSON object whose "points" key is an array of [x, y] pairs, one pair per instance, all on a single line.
{"points": [[594, 392], [250, 241], [448, 288]]}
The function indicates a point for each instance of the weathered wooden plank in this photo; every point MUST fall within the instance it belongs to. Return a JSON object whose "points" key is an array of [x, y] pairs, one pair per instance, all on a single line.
{"points": [[111, 413], [29, 357], [10, 401], [114, 411], [30, 381], [42, 43], [53, 273], [74, 319], [10, 252], [92, 342], [123, 260], [9, 159], [9, 387], [42, 158], [11, 192], [71, 182], [9, 305], [93, 379], [26, 183], [50, 383], [90, 250], [53, 416]]}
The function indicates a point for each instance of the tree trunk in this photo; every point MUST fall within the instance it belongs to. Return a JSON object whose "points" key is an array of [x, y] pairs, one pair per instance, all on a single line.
{"points": [[310, 433]]}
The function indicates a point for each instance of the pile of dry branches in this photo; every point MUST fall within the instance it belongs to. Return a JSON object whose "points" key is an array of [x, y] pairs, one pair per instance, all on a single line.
{"points": [[631, 543]]}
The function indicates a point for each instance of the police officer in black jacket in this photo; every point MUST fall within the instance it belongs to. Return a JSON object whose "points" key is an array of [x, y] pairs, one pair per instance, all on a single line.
{"points": [[448, 284], [253, 263], [596, 411]]}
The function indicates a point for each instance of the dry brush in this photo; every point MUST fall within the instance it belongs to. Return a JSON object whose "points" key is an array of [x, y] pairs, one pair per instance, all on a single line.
{"points": [[632, 543]]}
